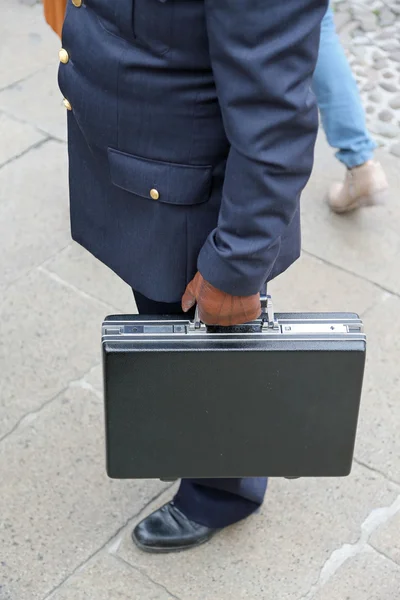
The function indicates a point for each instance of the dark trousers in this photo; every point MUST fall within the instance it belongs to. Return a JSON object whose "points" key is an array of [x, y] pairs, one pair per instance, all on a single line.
{"points": [[212, 502]]}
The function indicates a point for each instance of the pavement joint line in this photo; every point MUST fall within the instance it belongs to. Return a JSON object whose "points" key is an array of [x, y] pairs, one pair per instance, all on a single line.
{"points": [[47, 262], [72, 287], [384, 298], [147, 576], [115, 541], [30, 416], [27, 273], [76, 383], [34, 146], [83, 384], [357, 275], [376, 518], [377, 471], [51, 136], [14, 84], [13, 117], [384, 555], [119, 531]]}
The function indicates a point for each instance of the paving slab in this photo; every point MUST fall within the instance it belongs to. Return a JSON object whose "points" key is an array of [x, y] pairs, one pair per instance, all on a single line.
{"points": [[49, 336], [38, 101], [76, 266], [368, 576], [378, 441], [108, 578], [57, 505], [94, 378], [387, 539], [16, 138], [34, 221], [27, 42], [277, 553], [312, 285], [367, 242]]}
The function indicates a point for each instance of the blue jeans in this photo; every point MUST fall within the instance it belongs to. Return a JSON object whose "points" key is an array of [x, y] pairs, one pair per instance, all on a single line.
{"points": [[339, 102]]}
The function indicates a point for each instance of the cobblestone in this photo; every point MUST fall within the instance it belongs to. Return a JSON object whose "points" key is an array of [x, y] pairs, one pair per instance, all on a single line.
{"points": [[395, 102], [386, 115], [375, 97], [387, 130], [389, 46], [389, 87], [395, 149], [371, 37], [386, 16], [381, 63]]}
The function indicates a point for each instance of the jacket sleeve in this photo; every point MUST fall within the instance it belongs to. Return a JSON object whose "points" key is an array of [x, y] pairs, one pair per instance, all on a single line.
{"points": [[263, 55]]}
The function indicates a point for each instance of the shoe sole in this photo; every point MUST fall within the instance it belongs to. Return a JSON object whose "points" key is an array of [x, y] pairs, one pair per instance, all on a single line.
{"points": [[363, 202], [162, 550]]}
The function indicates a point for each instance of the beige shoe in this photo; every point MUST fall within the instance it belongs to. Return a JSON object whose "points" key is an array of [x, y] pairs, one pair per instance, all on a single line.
{"points": [[365, 185]]}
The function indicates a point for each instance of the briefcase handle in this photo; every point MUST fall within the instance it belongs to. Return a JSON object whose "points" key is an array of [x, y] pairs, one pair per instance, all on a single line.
{"points": [[268, 320]]}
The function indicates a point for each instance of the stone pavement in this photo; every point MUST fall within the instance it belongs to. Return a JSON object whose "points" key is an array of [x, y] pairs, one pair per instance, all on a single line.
{"points": [[370, 32], [64, 527]]}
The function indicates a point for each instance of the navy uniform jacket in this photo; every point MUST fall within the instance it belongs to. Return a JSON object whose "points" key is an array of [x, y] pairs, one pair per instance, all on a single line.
{"points": [[191, 131]]}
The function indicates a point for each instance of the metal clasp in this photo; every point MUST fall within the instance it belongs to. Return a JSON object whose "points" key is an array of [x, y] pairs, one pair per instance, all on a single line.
{"points": [[196, 324], [197, 321], [268, 315]]}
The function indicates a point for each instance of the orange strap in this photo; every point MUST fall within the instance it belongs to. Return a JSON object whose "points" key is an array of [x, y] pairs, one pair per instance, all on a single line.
{"points": [[54, 11]]}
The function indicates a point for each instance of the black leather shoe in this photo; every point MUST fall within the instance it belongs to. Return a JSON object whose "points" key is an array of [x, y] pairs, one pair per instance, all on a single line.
{"points": [[168, 530]]}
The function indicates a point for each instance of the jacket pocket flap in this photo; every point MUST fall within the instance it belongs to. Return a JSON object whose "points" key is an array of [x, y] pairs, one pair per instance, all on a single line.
{"points": [[171, 183]]}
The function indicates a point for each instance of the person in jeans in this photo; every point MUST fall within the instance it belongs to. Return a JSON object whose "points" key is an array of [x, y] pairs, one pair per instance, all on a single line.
{"points": [[343, 119]]}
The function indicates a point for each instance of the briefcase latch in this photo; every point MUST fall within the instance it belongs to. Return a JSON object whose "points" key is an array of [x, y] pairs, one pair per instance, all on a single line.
{"points": [[268, 314], [196, 324]]}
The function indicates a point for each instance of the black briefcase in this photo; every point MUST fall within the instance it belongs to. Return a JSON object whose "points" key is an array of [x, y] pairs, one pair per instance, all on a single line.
{"points": [[277, 397]]}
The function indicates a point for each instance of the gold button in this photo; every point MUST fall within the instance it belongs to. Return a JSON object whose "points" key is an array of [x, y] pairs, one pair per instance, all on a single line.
{"points": [[67, 104], [154, 194], [77, 3], [63, 56]]}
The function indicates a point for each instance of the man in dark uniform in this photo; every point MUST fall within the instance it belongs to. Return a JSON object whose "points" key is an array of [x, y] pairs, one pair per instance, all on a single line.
{"points": [[191, 129]]}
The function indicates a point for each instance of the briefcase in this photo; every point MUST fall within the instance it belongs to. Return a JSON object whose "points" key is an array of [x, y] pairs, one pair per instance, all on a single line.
{"points": [[276, 397]]}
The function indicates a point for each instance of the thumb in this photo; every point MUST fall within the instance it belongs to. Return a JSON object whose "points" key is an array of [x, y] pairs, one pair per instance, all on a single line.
{"points": [[188, 298]]}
